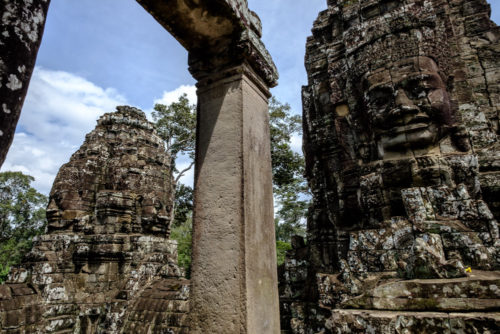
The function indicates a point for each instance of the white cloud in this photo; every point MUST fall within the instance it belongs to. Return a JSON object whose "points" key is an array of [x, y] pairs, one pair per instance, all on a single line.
{"points": [[59, 110], [64, 106], [173, 96]]}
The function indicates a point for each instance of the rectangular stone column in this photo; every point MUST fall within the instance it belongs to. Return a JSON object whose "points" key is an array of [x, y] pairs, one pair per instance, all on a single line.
{"points": [[234, 285]]}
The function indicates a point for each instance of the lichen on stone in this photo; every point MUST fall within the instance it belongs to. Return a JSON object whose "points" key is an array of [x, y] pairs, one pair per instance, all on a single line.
{"points": [[400, 138]]}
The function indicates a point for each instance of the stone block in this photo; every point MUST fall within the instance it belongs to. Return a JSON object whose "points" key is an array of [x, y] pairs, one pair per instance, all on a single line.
{"points": [[5, 292], [14, 319], [474, 323], [371, 239], [462, 240]]}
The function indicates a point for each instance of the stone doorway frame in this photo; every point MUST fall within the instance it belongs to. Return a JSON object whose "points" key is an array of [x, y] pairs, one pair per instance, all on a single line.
{"points": [[234, 275]]}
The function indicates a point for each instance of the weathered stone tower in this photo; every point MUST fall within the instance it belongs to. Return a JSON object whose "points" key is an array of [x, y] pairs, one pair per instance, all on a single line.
{"points": [[106, 264], [401, 125]]}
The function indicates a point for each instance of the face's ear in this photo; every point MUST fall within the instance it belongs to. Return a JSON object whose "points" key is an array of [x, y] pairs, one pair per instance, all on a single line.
{"points": [[449, 82], [460, 138]]}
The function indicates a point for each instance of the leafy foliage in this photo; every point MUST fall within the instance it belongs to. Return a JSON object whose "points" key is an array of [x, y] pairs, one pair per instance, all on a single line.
{"points": [[176, 125], [182, 225], [182, 234], [281, 248], [183, 204], [287, 165], [22, 216], [290, 187]]}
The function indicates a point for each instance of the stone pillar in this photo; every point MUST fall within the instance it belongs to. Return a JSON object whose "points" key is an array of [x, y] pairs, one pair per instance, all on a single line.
{"points": [[234, 286], [234, 272], [22, 27]]}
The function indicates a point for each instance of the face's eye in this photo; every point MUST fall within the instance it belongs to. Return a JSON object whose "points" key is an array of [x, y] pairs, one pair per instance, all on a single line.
{"points": [[379, 98], [417, 92], [416, 89]]}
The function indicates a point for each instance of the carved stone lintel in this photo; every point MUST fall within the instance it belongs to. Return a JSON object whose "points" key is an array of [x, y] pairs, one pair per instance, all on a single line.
{"points": [[258, 56], [248, 50], [216, 34]]}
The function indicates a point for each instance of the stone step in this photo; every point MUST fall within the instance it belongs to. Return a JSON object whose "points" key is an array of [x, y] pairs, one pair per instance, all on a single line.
{"points": [[161, 308], [426, 304], [479, 291], [388, 322]]}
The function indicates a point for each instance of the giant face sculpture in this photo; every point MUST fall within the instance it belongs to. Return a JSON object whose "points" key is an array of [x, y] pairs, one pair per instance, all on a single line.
{"points": [[155, 217], [394, 107], [403, 111], [407, 105]]}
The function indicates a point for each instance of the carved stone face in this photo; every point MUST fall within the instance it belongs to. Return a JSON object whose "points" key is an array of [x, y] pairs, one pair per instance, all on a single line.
{"points": [[154, 215], [407, 105], [53, 213]]}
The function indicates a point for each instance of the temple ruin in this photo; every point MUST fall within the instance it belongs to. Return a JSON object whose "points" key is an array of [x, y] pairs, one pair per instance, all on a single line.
{"points": [[401, 139], [106, 250], [401, 143], [234, 285]]}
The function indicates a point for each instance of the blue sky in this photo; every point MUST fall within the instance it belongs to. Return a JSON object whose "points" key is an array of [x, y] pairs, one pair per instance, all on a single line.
{"points": [[97, 54], [118, 44]]}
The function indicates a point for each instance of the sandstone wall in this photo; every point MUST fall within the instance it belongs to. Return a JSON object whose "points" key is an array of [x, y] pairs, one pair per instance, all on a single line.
{"points": [[401, 142], [105, 264]]}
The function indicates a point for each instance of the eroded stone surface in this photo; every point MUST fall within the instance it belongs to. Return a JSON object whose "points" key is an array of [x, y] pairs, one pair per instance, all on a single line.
{"points": [[106, 250], [21, 29], [233, 277], [354, 321], [401, 145], [217, 34]]}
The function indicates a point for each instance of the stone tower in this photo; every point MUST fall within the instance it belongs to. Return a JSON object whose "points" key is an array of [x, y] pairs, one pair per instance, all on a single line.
{"points": [[401, 125], [106, 264]]}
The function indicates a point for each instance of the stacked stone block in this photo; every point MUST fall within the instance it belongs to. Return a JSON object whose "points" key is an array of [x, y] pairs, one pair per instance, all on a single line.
{"points": [[107, 248], [401, 146]]}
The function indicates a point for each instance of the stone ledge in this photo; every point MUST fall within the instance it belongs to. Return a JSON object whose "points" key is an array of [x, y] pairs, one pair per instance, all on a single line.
{"points": [[388, 322], [477, 292]]}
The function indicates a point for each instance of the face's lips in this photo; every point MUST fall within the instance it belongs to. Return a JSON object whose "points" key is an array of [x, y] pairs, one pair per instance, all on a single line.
{"points": [[407, 121], [407, 128], [416, 135], [419, 119]]}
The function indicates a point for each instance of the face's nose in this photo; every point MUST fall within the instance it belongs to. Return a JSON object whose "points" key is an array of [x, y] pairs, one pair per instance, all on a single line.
{"points": [[52, 211], [403, 102], [404, 111]]}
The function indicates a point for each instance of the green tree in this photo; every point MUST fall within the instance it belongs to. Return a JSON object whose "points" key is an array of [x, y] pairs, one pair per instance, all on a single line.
{"points": [[176, 124], [183, 204], [290, 187], [22, 216], [281, 248], [182, 233]]}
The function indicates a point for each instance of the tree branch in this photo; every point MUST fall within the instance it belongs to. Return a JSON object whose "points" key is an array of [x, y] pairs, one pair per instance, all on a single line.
{"points": [[183, 171]]}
